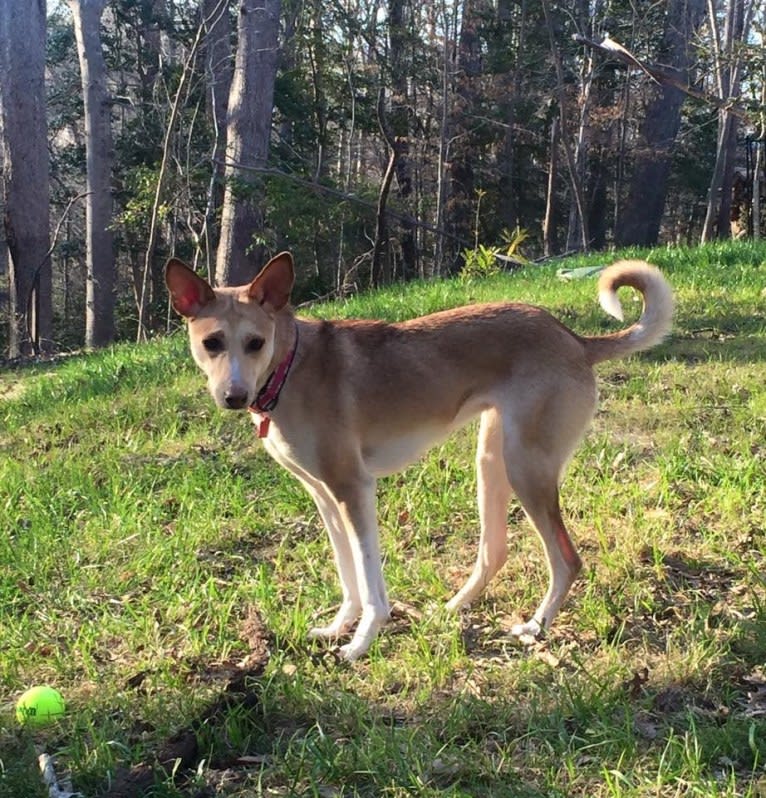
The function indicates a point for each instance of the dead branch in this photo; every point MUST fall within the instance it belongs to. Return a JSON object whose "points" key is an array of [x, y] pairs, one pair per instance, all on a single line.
{"points": [[661, 75]]}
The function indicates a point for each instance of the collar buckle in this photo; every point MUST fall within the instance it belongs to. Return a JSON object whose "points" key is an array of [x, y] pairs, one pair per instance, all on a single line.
{"points": [[262, 423]]}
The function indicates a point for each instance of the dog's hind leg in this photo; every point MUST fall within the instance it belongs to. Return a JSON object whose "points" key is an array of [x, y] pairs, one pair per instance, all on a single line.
{"points": [[494, 491], [534, 477]]}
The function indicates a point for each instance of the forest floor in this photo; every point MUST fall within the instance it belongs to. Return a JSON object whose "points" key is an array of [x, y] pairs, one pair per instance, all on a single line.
{"points": [[161, 572]]}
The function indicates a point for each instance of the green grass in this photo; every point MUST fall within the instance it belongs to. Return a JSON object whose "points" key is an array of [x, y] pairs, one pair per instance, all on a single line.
{"points": [[143, 530]]}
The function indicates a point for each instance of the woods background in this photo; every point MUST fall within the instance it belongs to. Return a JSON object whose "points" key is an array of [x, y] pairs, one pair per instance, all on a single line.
{"points": [[377, 140]]}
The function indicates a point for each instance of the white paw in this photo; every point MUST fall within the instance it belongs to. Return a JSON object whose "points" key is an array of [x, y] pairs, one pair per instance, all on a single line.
{"points": [[373, 618], [340, 625], [352, 651], [458, 603], [527, 633], [329, 632]]}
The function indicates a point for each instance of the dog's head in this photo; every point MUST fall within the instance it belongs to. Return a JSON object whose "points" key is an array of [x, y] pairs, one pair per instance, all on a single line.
{"points": [[233, 331]]}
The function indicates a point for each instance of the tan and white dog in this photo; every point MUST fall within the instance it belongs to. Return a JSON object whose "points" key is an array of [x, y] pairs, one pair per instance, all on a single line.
{"points": [[342, 403]]}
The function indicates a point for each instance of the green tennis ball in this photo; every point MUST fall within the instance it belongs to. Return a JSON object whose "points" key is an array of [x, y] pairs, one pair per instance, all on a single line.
{"points": [[39, 706]]}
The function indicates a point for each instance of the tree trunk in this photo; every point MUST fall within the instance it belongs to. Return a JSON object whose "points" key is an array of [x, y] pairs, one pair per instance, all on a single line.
{"points": [[99, 157], [550, 240], [757, 146], [729, 66], [755, 188], [640, 218], [512, 34], [250, 109], [581, 160], [446, 123], [217, 57], [399, 121], [143, 280], [26, 173], [5, 256], [728, 153], [641, 215], [578, 215], [461, 189], [218, 74], [150, 47], [598, 214], [381, 257]]}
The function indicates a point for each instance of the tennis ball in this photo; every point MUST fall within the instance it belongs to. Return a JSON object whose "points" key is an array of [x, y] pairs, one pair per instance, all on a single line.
{"points": [[39, 705]]}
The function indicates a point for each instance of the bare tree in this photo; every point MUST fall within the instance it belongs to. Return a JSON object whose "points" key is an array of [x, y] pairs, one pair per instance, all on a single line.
{"points": [[550, 244], [396, 127], [99, 158], [218, 71], [5, 257], [727, 54], [394, 122], [248, 135], [381, 261], [639, 221], [159, 188], [759, 143], [460, 190], [512, 18], [578, 214], [26, 173], [447, 16]]}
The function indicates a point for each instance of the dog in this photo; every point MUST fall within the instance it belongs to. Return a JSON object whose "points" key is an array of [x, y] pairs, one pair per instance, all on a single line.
{"points": [[341, 403]]}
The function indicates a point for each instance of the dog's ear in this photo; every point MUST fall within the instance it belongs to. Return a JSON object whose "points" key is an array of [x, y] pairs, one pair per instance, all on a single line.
{"points": [[189, 293], [274, 282]]}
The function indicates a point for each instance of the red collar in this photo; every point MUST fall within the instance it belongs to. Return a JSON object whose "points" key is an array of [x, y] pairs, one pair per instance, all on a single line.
{"points": [[268, 396]]}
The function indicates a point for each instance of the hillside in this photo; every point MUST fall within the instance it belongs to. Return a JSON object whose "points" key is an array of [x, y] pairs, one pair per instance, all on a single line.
{"points": [[152, 557]]}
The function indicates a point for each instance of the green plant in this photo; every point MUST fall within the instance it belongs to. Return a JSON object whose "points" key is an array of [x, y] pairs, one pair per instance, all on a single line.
{"points": [[512, 241], [479, 263]]}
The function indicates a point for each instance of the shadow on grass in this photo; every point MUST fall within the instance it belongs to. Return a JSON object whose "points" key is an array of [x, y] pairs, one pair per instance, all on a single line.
{"points": [[564, 735], [731, 338], [178, 757]]}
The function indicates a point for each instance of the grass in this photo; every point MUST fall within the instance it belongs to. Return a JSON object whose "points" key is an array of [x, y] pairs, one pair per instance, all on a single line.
{"points": [[149, 545]]}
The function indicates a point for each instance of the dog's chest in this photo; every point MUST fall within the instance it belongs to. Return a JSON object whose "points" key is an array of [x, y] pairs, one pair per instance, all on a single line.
{"points": [[300, 461]]}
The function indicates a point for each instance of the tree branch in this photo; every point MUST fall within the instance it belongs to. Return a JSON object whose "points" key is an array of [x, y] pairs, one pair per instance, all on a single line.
{"points": [[344, 196], [35, 284], [660, 75]]}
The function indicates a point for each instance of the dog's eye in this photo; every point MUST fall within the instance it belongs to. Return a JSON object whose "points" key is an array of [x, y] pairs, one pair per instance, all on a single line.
{"points": [[213, 345], [253, 345]]}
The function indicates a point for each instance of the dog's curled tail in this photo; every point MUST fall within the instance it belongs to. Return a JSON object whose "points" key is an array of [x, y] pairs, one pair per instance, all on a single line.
{"points": [[656, 318]]}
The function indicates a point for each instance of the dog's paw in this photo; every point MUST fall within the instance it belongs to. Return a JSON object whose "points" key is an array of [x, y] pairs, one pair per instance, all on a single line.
{"points": [[527, 633], [330, 632], [341, 624], [352, 651], [373, 618], [458, 603]]}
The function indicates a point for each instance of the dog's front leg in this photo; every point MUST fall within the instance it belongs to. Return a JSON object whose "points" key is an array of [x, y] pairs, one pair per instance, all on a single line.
{"points": [[351, 606], [356, 508]]}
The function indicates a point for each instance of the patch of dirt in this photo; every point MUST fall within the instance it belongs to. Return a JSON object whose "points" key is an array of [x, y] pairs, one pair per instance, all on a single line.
{"points": [[180, 754]]}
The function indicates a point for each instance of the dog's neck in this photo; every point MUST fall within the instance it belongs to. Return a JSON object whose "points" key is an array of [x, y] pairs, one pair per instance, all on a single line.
{"points": [[268, 396]]}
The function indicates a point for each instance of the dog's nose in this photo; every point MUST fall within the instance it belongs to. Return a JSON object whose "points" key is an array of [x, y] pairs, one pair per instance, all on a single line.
{"points": [[235, 399]]}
